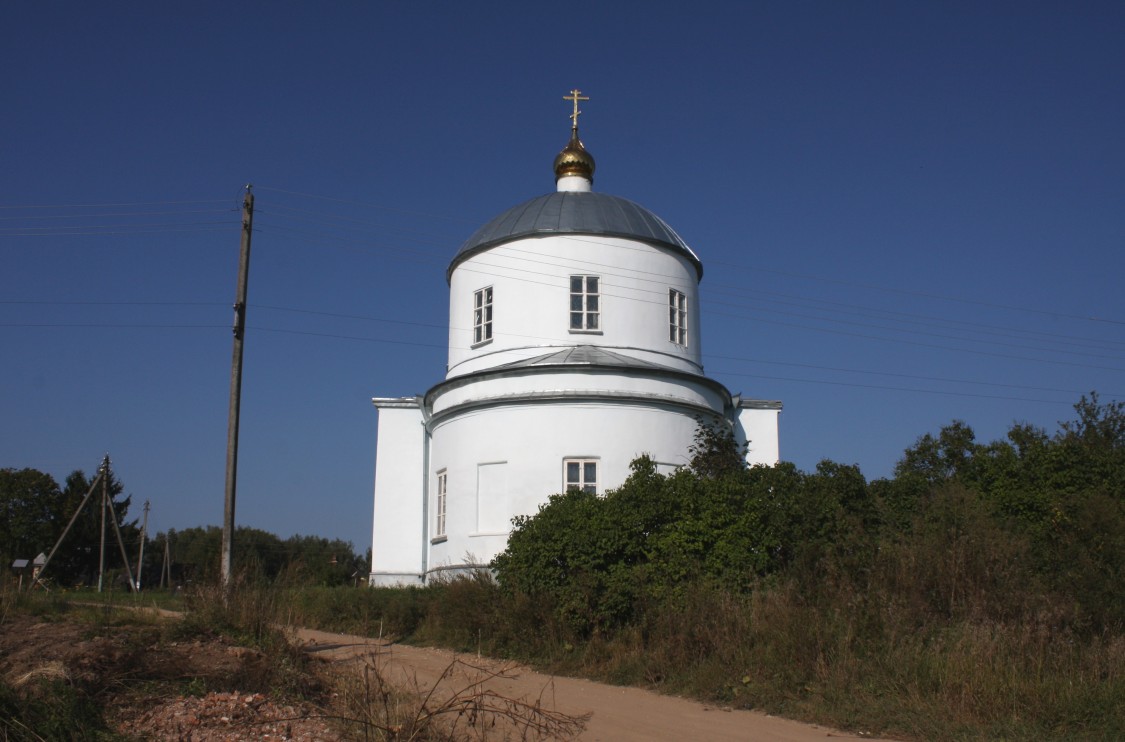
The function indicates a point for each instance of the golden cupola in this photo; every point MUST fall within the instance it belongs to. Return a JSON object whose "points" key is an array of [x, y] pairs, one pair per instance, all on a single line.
{"points": [[574, 160]]}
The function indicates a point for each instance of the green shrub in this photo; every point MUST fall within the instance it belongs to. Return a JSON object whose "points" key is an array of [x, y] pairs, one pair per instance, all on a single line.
{"points": [[50, 710]]}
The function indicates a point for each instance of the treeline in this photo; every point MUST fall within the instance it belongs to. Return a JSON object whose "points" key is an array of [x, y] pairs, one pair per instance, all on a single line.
{"points": [[260, 555], [34, 512]]}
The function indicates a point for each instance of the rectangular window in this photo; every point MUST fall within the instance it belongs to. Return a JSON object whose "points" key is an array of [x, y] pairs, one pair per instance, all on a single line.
{"points": [[677, 317], [580, 474], [584, 305], [482, 315], [439, 507]]}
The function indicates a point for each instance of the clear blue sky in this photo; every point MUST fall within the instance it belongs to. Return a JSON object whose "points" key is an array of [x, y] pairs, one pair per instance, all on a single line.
{"points": [[908, 213]]}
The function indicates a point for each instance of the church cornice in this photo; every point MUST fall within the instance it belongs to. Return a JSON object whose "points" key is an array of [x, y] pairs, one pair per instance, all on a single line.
{"points": [[401, 403]]}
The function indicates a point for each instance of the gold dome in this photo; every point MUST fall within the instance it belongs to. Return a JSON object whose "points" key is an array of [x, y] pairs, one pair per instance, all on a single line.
{"points": [[574, 160]]}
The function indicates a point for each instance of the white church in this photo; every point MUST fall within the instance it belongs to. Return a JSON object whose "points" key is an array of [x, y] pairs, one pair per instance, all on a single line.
{"points": [[574, 348]]}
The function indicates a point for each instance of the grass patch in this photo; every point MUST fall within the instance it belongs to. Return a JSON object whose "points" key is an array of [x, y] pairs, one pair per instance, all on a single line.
{"points": [[850, 657], [48, 709], [458, 707], [68, 663]]}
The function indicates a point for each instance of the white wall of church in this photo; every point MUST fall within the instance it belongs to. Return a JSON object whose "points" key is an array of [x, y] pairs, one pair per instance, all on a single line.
{"points": [[508, 460], [398, 532], [530, 279], [757, 426]]}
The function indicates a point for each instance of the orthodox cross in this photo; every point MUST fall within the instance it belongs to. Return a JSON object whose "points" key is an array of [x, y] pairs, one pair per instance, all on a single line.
{"points": [[575, 95]]}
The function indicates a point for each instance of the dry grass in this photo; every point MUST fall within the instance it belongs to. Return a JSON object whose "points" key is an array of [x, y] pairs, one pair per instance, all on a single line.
{"points": [[459, 706]]}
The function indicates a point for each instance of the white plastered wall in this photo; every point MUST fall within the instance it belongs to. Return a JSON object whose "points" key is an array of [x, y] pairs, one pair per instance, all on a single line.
{"points": [[532, 311], [525, 445], [398, 531], [757, 426]]}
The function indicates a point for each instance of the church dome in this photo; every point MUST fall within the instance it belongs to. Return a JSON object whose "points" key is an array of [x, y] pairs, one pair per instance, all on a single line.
{"points": [[574, 160], [575, 212]]}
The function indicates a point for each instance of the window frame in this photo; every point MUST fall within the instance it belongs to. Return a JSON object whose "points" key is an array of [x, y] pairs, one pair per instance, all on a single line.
{"points": [[441, 503], [483, 314], [677, 317], [582, 484], [585, 298]]}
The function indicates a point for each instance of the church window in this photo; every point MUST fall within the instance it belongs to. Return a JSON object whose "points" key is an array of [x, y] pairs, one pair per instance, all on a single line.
{"points": [[584, 304], [439, 509], [482, 315], [581, 474], [677, 317]]}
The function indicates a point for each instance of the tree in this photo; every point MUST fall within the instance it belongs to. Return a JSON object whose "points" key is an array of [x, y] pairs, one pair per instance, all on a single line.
{"points": [[715, 451], [1094, 447], [597, 559], [933, 460], [29, 503], [1057, 499]]}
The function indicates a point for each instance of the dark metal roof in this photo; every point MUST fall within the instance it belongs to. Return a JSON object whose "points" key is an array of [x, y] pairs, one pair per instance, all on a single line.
{"points": [[576, 212]]}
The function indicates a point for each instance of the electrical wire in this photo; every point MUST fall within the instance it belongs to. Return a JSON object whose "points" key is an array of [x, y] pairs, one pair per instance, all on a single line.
{"points": [[625, 285]]}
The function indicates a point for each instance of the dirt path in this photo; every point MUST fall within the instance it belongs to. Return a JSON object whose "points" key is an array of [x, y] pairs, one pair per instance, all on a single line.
{"points": [[618, 714]]}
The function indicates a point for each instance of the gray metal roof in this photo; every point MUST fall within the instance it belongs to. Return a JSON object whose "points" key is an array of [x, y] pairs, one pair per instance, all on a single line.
{"points": [[579, 358], [582, 355], [576, 212]]}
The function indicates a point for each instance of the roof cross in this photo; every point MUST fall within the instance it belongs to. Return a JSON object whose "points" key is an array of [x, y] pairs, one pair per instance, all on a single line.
{"points": [[575, 95]]}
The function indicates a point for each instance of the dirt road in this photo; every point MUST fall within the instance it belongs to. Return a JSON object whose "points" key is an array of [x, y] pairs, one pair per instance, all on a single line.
{"points": [[618, 714]]}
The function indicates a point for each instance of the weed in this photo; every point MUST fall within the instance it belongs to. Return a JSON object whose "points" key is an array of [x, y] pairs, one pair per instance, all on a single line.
{"points": [[459, 706]]}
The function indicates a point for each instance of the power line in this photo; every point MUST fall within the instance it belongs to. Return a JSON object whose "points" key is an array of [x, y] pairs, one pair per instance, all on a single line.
{"points": [[114, 325], [118, 303], [861, 310], [865, 286], [433, 215], [344, 337], [943, 379], [896, 389], [332, 218], [578, 263], [923, 294], [99, 232], [924, 333], [531, 258], [112, 204], [112, 214], [428, 215], [368, 247], [933, 345]]}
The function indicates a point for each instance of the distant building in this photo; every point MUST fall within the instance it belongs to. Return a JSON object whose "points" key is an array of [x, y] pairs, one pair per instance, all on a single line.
{"points": [[31, 567], [574, 348]]}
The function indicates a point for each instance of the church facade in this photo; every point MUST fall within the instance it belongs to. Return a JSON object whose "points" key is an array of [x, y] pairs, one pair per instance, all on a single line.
{"points": [[574, 348]]}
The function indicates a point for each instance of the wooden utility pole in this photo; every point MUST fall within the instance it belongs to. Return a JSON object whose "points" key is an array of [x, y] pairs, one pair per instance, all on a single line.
{"points": [[236, 386], [141, 551], [93, 485], [121, 544], [167, 562], [165, 567], [105, 498]]}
